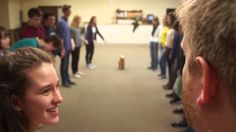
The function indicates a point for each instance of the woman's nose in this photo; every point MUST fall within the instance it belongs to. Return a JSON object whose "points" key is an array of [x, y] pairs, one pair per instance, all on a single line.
{"points": [[57, 97]]}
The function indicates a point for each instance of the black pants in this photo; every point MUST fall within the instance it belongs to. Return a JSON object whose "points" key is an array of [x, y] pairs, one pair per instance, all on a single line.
{"points": [[75, 60], [89, 53], [171, 69]]}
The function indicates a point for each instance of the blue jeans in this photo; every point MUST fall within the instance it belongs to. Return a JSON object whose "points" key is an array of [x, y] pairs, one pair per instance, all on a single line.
{"points": [[163, 60], [64, 68], [154, 55]]}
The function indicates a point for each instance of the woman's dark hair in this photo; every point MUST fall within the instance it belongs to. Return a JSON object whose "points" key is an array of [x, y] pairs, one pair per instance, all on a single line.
{"points": [[3, 33], [172, 18], [176, 26], [13, 82], [92, 20], [156, 19]]}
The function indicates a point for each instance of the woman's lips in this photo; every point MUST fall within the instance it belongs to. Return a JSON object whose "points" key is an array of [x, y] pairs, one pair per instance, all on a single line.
{"points": [[53, 111]]}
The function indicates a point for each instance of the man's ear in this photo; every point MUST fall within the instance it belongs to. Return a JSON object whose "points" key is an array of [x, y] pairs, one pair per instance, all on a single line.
{"points": [[208, 82]]}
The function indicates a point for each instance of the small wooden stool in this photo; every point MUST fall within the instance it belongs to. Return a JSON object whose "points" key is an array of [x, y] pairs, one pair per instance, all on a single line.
{"points": [[122, 62]]}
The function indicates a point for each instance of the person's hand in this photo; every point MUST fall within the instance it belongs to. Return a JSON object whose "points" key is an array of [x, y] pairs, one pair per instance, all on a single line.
{"points": [[84, 40], [72, 44], [62, 53], [72, 48]]}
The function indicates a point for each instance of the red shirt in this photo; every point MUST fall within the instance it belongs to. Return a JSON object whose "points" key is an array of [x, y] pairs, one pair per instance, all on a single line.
{"points": [[31, 32]]}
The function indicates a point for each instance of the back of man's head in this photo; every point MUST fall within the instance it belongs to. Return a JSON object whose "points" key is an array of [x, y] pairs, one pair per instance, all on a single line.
{"points": [[55, 42], [209, 28], [209, 73], [65, 8]]}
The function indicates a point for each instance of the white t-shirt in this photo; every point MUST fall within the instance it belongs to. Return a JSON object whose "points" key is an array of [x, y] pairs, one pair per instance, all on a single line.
{"points": [[170, 38], [93, 29], [155, 37]]}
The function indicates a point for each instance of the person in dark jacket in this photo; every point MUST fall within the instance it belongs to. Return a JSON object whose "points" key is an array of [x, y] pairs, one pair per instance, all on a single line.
{"points": [[91, 33]]}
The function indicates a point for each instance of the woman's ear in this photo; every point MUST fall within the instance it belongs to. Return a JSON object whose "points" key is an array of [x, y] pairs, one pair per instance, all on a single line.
{"points": [[208, 82], [16, 103]]}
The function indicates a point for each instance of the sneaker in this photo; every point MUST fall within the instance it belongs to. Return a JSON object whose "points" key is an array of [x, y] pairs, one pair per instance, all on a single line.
{"points": [[162, 77], [66, 85], [91, 66], [77, 75], [179, 124], [72, 83], [149, 68], [178, 111], [175, 100], [171, 95], [80, 73]]}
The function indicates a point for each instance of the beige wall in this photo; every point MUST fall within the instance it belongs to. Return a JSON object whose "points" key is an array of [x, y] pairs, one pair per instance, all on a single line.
{"points": [[104, 9], [4, 19], [14, 13], [9, 10]]}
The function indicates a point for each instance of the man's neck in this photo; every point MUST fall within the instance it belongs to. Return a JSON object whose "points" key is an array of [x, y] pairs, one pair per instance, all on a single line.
{"points": [[220, 118]]}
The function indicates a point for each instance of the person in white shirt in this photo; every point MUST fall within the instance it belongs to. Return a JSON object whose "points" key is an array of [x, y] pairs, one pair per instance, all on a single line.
{"points": [[154, 44]]}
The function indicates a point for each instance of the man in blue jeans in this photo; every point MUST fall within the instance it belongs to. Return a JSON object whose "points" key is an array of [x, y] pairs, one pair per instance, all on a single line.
{"points": [[64, 34]]}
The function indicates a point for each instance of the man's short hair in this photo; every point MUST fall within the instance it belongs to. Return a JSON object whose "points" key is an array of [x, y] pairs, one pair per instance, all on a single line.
{"points": [[65, 8], [55, 40], [47, 15], [209, 29], [34, 12]]}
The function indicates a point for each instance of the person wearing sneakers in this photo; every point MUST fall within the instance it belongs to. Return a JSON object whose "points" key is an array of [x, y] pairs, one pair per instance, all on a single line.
{"points": [[76, 36], [154, 43], [64, 34], [91, 33]]}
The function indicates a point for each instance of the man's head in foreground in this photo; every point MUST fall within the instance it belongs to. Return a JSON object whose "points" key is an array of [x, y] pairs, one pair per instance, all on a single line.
{"points": [[209, 74]]}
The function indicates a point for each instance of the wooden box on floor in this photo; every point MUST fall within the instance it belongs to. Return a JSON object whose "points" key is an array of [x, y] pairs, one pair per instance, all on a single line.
{"points": [[122, 62]]}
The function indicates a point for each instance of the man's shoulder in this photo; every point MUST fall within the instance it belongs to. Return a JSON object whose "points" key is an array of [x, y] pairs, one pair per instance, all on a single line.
{"points": [[26, 42], [27, 28]]}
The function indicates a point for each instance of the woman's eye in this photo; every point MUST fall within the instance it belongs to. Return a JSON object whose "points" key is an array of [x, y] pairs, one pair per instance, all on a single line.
{"points": [[46, 92]]}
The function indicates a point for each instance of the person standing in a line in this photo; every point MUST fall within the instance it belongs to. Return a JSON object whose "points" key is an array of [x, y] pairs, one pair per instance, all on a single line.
{"points": [[33, 27], [76, 36], [64, 34], [91, 33], [154, 44]]}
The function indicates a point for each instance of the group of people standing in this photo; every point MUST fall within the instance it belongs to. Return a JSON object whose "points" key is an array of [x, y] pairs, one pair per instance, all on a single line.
{"points": [[72, 40], [30, 96], [29, 86], [167, 39], [59, 38]]}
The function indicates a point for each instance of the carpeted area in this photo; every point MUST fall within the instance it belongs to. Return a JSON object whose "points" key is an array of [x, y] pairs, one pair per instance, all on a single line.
{"points": [[110, 100]]}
